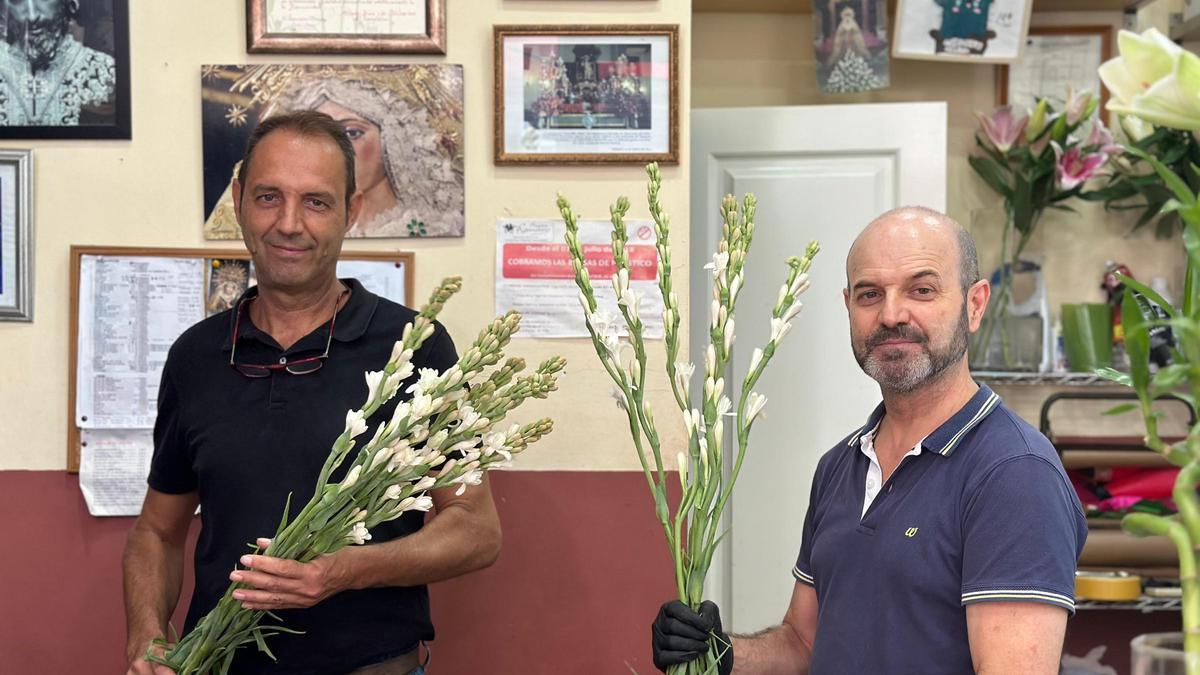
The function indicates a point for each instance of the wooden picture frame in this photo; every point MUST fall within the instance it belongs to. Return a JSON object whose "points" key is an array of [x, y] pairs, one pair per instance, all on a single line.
{"points": [[586, 94], [1073, 42], [84, 91], [964, 31], [16, 235], [420, 27], [77, 255]]}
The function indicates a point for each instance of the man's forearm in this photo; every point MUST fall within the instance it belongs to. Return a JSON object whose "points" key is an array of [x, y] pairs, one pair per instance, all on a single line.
{"points": [[153, 573], [778, 650], [451, 544]]}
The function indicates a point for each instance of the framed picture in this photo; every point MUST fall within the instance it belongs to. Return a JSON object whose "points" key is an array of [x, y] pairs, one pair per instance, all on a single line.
{"points": [[346, 26], [587, 94], [973, 31], [64, 70], [16, 231], [850, 45], [1056, 59], [405, 122]]}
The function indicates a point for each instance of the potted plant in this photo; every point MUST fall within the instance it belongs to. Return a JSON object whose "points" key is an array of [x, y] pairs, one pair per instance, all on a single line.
{"points": [[1157, 82]]}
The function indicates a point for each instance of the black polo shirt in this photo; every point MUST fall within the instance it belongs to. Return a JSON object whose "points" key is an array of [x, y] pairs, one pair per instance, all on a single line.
{"points": [[245, 444]]}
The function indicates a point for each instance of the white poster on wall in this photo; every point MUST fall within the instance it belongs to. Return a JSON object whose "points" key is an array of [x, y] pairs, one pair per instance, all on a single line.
{"points": [[113, 465], [534, 274]]}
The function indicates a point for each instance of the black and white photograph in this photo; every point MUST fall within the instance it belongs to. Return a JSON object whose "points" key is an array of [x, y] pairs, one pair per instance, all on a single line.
{"points": [[64, 69]]}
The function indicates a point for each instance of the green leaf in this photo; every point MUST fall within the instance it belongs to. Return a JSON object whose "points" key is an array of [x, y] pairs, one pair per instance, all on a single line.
{"points": [[1114, 192], [1119, 409], [1137, 344], [992, 174], [1170, 376], [1150, 293], [1178, 186], [1114, 376], [262, 644]]}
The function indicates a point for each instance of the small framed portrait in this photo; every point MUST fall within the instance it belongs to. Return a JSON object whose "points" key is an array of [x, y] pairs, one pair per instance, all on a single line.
{"points": [[587, 94], [1057, 59], [16, 232], [404, 120], [64, 69], [973, 31], [346, 26]]}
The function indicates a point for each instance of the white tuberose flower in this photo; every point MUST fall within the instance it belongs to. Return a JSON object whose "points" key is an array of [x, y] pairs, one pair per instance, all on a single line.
{"points": [[683, 375], [355, 424], [359, 533], [754, 405], [374, 380], [352, 477], [718, 264]]}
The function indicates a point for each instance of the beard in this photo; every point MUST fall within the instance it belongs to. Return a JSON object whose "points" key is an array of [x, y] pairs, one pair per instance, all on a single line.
{"points": [[42, 38], [902, 373]]}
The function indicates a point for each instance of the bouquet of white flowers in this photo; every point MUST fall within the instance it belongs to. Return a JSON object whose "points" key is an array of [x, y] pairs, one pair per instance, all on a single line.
{"points": [[446, 434], [692, 530]]}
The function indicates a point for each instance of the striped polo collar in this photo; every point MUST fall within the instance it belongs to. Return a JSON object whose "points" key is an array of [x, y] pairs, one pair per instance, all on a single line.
{"points": [[945, 438]]}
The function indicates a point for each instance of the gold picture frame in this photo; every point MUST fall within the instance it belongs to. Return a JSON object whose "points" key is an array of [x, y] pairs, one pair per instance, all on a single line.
{"points": [[411, 27], [584, 94]]}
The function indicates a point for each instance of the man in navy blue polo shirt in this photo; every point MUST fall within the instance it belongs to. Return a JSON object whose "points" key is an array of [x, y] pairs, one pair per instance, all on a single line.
{"points": [[942, 535], [251, 400]]}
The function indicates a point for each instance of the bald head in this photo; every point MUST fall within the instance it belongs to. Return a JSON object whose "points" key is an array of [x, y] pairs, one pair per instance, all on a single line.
{"points": [[933, 227]]}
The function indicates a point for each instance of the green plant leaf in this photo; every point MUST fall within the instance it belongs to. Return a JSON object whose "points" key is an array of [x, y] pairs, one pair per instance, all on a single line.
{"points": [[1113, 375], [992, 174], [1178, 186], [1150, 293], [1137, 345], [1169, 377], [1120, 409]]}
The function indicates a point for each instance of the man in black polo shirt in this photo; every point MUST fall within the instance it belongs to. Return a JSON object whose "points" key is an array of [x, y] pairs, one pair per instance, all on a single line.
{"points": [[251, 400], [942, 535]]}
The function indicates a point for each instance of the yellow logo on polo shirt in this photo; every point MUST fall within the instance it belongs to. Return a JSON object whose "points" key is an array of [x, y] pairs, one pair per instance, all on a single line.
{"points": [[911, 532]]}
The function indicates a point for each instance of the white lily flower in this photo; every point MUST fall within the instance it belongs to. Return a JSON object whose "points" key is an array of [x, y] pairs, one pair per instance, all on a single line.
{"points": [[683, 375], [754, 405], [359, 534], [779, 328], [755, 358], [352, 477], [355, 424]]}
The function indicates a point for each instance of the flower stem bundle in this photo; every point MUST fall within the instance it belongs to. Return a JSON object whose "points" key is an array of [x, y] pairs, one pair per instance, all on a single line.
{"points": [[692, 527], [447, 433]]}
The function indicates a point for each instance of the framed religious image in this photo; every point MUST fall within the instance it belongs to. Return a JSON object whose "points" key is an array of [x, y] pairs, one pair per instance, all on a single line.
{"points": [[16, 230], [346, 26], [405, 122], [587, 94], [974, 31], [1056, 59], [64, 69]]}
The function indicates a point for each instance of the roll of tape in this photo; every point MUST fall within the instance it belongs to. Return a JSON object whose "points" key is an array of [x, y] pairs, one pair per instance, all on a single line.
{"points": [[1108, 586]]}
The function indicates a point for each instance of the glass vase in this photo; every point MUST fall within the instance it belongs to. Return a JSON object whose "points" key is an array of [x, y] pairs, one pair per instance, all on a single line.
{"points": [[1162, 654]]}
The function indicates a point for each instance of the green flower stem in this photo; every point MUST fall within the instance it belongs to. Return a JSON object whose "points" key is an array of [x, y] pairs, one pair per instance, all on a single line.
{"points": [[1144, 524]]}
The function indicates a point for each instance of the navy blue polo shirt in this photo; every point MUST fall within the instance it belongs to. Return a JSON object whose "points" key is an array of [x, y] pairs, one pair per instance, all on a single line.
{"points": [[244, 444], [984, 513]]}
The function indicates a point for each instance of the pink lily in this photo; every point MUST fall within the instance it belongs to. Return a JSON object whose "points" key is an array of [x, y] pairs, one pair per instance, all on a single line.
{"points": [[1077, 105], [1001, 128], [1102, 140], [1073, 167]]}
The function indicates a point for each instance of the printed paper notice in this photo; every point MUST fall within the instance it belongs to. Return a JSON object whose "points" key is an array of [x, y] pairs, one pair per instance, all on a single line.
{"points": [[353, 17], [113, 465], [133, 309], [383, 278], [534, 274]]}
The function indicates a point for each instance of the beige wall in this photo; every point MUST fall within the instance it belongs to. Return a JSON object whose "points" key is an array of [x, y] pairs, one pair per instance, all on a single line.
{"points": [[147, 192], [766, 59]]}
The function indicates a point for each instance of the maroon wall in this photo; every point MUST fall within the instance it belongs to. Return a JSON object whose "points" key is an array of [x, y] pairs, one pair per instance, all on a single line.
{"points": [[580, 577]]}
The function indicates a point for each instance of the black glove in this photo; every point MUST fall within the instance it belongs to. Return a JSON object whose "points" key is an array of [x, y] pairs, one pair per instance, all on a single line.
{"points": [[679, 635]]}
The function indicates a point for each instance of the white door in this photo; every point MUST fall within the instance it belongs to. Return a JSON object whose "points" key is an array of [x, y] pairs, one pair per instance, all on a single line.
{"points": [[819, 172]]}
